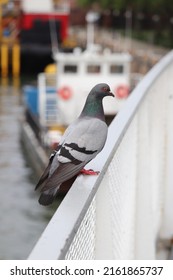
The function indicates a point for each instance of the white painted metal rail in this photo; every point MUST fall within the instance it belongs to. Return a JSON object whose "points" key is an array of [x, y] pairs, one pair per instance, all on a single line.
{"points": [[123, 212]]}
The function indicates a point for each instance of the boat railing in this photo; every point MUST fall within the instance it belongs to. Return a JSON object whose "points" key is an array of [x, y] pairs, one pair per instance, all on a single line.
{"points": [[48, 104], [125, 211]]}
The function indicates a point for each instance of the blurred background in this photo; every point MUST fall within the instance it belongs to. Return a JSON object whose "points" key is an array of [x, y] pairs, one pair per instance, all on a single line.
{"points": [[31, 32]]}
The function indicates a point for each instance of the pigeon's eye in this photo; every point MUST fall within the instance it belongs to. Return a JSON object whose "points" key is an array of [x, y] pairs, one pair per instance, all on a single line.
{"points": [[105, 89]]}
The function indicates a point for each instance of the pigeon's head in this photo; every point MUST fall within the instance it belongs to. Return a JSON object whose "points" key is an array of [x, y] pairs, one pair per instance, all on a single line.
{"points": [[101, 90], [93, 105]]}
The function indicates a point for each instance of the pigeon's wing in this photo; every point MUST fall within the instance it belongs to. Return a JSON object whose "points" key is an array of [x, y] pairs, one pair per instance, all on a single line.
{"points": [[62, 174], [82, 144], [53, 165], [46, 172], [84, 141]]}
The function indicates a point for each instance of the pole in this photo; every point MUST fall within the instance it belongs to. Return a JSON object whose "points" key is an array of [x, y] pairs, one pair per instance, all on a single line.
{"points": [[16, 60], [128, 29], [4, 60], [91, 18]]}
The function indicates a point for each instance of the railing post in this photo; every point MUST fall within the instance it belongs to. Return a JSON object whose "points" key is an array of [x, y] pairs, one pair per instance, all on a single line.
{"points": [[167, 226], [42, 97]]}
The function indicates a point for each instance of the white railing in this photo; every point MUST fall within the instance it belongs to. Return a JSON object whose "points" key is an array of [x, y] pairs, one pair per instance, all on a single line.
{"points": [[123, 212], [48, 105]]}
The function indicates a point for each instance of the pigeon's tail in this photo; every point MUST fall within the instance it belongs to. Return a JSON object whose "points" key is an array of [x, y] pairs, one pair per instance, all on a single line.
{"points": [[47, 197]]}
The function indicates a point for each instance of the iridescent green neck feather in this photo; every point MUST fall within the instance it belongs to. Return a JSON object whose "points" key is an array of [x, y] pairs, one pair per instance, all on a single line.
{"points": [[93, 108]]}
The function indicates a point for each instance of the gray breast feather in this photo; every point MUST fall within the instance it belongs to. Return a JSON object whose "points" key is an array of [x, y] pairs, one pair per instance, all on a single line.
{"points": [[84, 141]]}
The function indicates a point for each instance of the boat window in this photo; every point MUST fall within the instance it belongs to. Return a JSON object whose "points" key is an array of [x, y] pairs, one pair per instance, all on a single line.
{"points": [[93, 68], [69, 68], [116, 69]]}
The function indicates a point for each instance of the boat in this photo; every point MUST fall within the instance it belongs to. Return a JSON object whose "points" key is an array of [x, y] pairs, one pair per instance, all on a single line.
{"points": [[42, 27]]}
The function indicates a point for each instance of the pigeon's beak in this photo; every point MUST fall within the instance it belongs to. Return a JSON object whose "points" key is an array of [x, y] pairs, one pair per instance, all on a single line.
{"points": [[111, 94]]}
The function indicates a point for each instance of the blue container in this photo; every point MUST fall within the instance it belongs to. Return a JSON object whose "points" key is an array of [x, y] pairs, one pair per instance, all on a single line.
{"points": [[31, 99]]}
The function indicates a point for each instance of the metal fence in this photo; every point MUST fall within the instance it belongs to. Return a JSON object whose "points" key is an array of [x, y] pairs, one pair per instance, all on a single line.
{"points": [[126, 210]]}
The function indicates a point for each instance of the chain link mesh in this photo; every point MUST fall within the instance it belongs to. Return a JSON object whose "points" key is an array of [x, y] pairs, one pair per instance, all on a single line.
{"points": [[83, 245]]}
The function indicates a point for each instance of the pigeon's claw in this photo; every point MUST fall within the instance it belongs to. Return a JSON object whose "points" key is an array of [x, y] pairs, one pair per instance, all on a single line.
{"points": [[89, 172]]}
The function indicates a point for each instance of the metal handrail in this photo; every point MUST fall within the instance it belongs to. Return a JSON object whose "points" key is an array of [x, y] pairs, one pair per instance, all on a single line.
{"points": [[57, 237]]}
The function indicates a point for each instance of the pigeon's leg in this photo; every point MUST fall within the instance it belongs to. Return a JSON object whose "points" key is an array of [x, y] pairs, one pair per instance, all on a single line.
{"points": [[89, 172]]}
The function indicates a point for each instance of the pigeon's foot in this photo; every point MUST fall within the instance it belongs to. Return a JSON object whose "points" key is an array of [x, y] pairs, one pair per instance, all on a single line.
{"points": [[89, 172]]}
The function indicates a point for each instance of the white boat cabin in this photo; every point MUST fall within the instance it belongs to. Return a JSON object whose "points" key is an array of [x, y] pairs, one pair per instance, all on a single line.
{"points": [[79, 71]]}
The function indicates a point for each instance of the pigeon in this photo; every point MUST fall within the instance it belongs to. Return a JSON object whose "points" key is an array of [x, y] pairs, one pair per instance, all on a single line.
{"points": [[81, 142]]}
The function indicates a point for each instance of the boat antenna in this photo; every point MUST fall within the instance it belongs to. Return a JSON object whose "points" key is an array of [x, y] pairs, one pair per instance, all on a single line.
{"points": [[53, 35], [91, 18]]}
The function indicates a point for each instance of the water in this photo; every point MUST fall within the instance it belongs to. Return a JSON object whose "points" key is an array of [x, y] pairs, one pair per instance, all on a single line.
{"points": [[22, 219]]}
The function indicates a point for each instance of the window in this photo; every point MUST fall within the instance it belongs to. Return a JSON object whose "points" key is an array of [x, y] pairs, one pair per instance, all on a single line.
{"points": [[116, 69], [69, 68], [93, 68]]}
